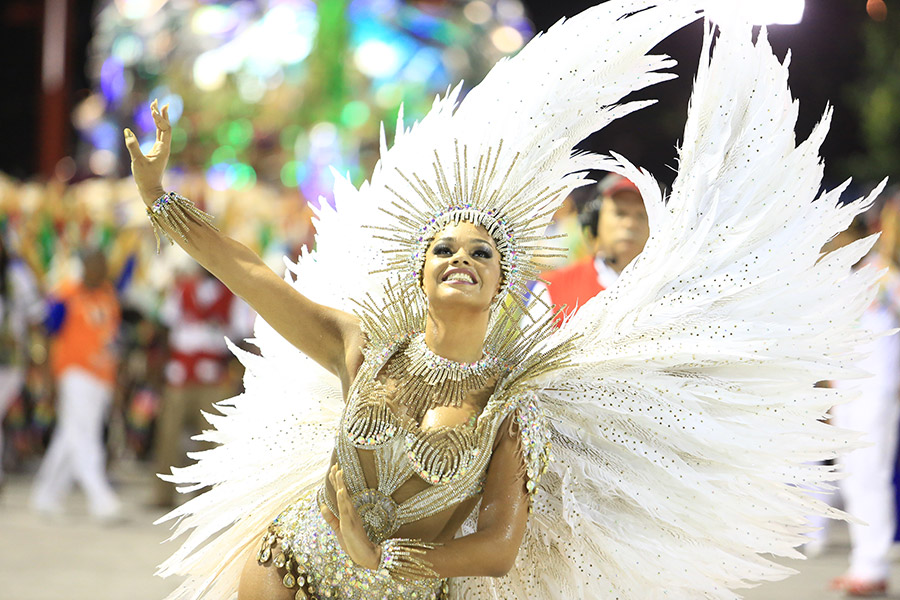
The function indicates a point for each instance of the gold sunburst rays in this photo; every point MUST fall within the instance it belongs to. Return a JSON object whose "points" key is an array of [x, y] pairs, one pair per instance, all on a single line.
{"points": [[473, 190]]}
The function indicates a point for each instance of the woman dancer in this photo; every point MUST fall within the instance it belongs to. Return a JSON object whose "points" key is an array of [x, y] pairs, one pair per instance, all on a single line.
{"points": [[679, 406]]}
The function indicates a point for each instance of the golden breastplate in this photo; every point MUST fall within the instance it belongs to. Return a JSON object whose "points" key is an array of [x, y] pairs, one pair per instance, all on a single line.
{"points": [[383, 415]]}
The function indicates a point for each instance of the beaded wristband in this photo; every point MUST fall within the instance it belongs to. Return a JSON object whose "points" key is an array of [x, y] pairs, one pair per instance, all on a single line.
{"points": [[175, 211], [404, 559]]}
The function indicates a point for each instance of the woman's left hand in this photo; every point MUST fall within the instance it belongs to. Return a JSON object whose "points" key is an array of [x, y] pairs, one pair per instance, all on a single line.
{"points": [[348, 526], [148, 169]]}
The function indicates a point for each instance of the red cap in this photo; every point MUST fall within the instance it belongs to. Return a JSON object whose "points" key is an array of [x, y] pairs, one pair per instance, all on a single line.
{"points": [[614, 183]]}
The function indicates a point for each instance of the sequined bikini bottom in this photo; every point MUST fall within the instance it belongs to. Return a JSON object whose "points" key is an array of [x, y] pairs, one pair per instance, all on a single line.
{"points": [[301, 542]]}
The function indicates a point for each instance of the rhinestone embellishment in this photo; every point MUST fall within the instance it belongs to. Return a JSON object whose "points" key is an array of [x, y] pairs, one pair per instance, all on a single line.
{"points": [[378, 512]]}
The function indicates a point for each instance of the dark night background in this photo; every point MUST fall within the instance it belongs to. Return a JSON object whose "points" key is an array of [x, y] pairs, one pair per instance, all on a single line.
{"points": [[826, 49]]}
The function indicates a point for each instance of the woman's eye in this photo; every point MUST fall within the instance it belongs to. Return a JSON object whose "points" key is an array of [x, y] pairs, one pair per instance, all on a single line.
{"points": [[441, 250], [483, 253]]}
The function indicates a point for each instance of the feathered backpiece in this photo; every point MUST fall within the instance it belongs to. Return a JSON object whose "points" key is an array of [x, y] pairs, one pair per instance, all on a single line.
{"points": [[686, 425], [501, 157]]}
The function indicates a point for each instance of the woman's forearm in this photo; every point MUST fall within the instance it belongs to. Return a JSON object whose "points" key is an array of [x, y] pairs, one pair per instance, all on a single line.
{"points": [[319, 331], [230, 261], [480, 554], [330, 337]]}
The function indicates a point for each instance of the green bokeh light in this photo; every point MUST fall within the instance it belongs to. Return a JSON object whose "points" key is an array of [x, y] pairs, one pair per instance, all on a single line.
{"points": [[223, 154], [179, 139], [289, 173], [237, 133], [244, 176], [355, 114]]}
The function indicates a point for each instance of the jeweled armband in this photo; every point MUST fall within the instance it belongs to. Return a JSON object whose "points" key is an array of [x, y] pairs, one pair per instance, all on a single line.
{"points": [[405, 559], [174, 210]]}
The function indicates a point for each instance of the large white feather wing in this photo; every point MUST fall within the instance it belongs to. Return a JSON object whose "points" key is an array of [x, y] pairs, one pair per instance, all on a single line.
{"points": [[274, 441], [686, 424]]}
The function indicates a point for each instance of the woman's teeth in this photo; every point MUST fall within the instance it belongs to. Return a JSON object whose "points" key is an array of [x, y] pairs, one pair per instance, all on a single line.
{"points": [[460, 277]]}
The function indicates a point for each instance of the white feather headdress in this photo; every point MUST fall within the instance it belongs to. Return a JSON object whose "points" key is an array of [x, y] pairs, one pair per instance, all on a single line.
{"points": [[502, 157]]}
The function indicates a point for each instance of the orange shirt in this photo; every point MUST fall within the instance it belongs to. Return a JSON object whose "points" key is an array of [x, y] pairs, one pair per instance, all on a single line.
{"points": [[87, 334]]}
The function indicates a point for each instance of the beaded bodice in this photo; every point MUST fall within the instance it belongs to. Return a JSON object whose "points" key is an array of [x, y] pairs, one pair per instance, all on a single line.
{"points": [[384, 413]]}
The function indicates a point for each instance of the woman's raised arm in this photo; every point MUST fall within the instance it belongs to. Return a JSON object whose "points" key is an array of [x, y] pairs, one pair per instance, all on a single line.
{"points": [[329, 336]]}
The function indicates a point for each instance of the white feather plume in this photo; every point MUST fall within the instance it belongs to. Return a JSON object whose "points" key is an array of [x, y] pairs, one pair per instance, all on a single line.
{"points": [[686, 423]]}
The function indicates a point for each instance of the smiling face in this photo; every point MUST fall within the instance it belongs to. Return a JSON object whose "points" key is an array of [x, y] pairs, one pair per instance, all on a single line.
{"points": [[462, 267]]}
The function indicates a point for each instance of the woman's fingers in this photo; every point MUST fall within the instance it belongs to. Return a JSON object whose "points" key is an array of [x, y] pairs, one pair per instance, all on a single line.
{"points": [[133, 145], [346, 510], [161, 119], [329, 517], [345, 504], [333, 522], [163, 129], [331, 473]]}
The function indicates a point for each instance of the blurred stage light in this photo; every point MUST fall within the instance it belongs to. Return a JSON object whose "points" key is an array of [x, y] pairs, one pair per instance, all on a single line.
{"points": [[507, 39], [64, 171], [355, 113], [143, 118], [386, 8], [238, 133], [102, 162], [251, 87], [323, 135], [289, 173], [214, 19], [113, 80], [510, 10], [148, 142], [388, 95], [128, 48], [241, 175], [105, 136], [423, 65], [285, 35], [759, 12], [208, 72], [218, 177], [89, 112], [377, 59], [139, 9], [785, 12], [223, 154], [478, 12]]}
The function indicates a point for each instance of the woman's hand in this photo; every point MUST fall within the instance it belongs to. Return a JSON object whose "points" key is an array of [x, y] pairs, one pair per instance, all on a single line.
{"points": [[348, 525], [148, 170]]}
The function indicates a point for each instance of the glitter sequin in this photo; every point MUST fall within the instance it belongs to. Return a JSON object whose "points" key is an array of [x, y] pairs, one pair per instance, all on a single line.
{"points": [[322, 569]]}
